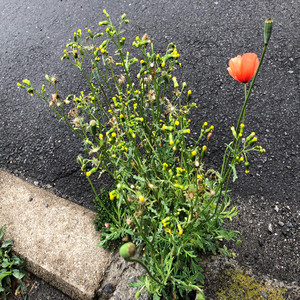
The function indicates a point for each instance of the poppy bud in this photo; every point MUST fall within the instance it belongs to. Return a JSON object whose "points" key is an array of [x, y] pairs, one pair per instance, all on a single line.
{"points": [[127, 250], [268, 30], [137, 294]]}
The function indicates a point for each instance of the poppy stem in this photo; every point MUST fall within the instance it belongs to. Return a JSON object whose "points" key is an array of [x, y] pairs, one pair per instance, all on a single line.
{"points": [[144, 266], [250, 88], [241, 117]]}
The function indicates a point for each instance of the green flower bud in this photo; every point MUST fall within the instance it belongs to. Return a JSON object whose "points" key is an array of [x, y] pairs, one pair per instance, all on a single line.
{"points": [[254, 140], [233, 131], [106, 14], [137, 294], [268, 30], [21, 85], [103, 23], [90, 33], [204, 151], [127, 250], [247, 167], [176, 85], [26, 81]]}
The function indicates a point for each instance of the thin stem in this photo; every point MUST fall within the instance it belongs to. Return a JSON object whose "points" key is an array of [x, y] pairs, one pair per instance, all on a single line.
{"points": [[144, 266]]}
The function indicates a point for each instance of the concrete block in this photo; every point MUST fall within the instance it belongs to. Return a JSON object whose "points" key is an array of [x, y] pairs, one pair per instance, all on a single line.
{"points": [[56, 236]]}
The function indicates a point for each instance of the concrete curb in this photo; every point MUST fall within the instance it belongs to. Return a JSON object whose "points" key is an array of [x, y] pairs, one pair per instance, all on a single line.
{"points": [[56, 236]]}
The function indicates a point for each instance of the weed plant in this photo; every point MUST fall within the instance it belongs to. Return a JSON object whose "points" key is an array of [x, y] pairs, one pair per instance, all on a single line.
{"points": [[12, 270], [134, 125]]}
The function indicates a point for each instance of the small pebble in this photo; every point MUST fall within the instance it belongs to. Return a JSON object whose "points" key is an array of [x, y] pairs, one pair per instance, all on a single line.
{"points": [[280, 223], [36, 183], [30, 199], [289, 224], [270, 228], [276, 208], [108, 288], [46, 205]]}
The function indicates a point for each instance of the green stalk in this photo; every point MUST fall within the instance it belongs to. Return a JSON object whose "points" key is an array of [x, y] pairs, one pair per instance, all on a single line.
{"points": [[144, 266]]}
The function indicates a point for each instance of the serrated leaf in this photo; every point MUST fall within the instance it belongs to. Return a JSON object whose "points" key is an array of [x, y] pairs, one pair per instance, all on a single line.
{"points": [[234, 172], [7, 244]]}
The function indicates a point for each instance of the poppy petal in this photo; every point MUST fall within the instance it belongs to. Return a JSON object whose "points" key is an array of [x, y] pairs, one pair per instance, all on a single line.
{"points": [[243, 68], [235, 66]]}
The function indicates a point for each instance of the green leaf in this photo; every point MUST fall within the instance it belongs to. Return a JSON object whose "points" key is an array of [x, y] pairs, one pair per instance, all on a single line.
{"points": [[7, 244], [4, 274], [2, 231], [234, 172], [17, 260], [18, 274], [156, 297], [6, 263]]}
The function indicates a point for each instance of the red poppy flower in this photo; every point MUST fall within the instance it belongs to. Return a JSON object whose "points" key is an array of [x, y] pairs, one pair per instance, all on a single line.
{"points": [[243, 68]]}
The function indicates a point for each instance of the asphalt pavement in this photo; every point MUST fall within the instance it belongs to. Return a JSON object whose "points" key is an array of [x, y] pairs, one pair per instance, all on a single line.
{"points": [[38, 148]]}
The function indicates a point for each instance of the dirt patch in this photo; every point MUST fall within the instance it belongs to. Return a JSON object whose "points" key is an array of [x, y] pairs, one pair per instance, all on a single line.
{"points": [[270, 237]]}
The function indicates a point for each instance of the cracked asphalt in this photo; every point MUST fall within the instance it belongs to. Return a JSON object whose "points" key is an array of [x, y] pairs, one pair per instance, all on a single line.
{"points": [[38, 148]]}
